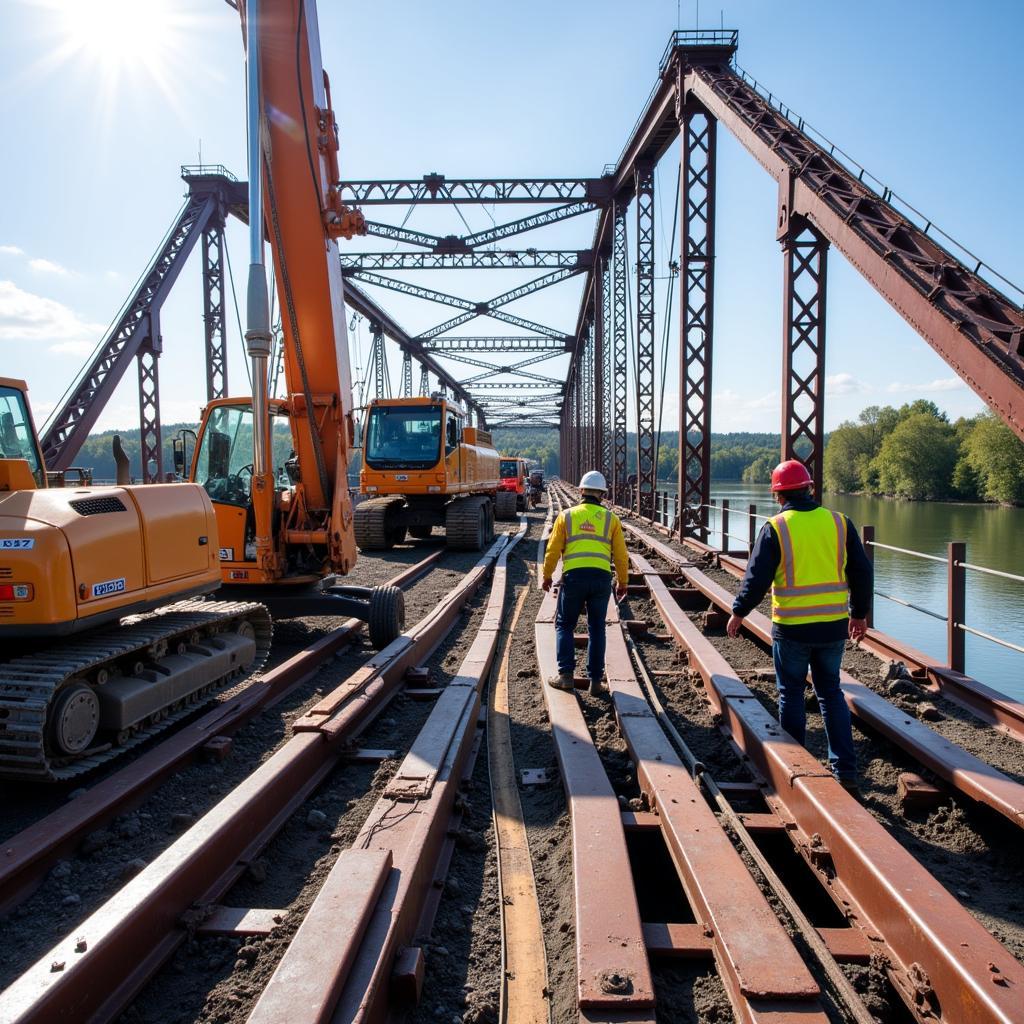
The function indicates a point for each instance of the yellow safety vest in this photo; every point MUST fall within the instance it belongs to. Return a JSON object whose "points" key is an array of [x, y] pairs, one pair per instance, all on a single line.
{"points": [[810, 582], [588, 537]]}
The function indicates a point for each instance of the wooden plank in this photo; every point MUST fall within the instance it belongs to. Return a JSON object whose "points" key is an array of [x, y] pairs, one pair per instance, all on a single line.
{"points": [[305, 986]]}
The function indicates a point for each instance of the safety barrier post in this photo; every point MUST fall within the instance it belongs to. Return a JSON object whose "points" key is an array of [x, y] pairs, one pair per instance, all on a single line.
{"points": [[751, 529], [869, 550], [725, 526], [956, 577]]}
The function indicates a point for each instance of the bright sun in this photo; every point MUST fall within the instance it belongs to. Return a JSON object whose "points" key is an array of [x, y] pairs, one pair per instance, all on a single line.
{"points": [[119, 44]]}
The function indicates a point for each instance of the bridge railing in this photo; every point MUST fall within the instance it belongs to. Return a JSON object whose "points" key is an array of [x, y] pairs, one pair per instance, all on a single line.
{"points": [[713, 520]]}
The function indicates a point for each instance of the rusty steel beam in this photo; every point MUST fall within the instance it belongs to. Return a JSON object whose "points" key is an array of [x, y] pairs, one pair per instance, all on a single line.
{"points": [[966, 773], [696, 301], [941, 960], [805, 255], [486, 259], [620, 373], [645, 368], [151, 450], [977, 330], [763, 974], [609, 934], [607, 368], [214, 325], [600, 376]]}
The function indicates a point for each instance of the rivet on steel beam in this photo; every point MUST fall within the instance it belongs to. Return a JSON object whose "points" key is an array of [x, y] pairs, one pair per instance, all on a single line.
{"points": [[80, 944]]}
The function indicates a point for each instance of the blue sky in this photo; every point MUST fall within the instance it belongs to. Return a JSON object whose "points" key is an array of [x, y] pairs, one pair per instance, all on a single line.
{"points": [[925, 94]]}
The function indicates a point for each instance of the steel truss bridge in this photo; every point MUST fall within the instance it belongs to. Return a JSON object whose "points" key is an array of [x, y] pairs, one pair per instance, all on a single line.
{"points": [[959, 305]]}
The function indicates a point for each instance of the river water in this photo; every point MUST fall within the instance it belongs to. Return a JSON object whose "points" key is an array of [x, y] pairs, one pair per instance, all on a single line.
{"points": [[994, 538]]}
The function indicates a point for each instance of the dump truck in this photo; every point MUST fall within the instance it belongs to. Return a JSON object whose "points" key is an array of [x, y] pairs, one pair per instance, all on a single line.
{"points": [[424, 467]]}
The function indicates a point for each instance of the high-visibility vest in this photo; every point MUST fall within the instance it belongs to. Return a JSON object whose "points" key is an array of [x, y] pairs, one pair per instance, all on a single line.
{"points": [[588, 543], [810, 581]]}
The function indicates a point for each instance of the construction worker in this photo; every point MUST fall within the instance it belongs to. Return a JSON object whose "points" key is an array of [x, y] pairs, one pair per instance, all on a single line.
{"points": [[588, 538], [821, 580]]}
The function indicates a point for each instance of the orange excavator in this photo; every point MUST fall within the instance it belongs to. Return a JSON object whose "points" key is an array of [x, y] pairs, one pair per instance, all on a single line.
{"points": [[285, 524], [106, 631]]}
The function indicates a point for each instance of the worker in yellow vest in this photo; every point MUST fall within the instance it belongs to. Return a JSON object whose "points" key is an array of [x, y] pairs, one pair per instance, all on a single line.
{"points": [[588, 538], [821, 583]]}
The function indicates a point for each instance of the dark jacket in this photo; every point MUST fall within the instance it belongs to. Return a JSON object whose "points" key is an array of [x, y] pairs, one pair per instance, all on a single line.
{"points": [[764, 561]]}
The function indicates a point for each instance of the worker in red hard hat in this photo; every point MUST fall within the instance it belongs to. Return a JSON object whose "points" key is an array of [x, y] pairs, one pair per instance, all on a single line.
{"points": [[813, 562]]}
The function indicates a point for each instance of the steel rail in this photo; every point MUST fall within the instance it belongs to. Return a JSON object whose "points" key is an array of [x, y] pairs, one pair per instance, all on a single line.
{"points": [[613, 976], [400, 845], [966, 773], [945, 965], [842, 988], [95, 971], [28, 855], [987, 704], [764, 976]]}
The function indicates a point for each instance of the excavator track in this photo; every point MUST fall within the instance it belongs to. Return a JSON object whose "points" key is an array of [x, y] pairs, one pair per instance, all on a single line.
{"points": [[373, 521], [31, 684]]}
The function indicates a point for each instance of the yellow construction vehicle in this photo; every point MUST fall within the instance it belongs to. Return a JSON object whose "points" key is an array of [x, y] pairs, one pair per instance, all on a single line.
{"points": [[423, 467], [88, 666]]}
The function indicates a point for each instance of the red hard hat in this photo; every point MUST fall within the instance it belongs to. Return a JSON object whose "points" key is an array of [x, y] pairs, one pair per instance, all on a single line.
{"points": [[790, 475]]}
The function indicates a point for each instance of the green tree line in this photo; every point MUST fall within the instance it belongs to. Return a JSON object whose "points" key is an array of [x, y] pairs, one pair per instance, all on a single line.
{"points": [[916, 452]]}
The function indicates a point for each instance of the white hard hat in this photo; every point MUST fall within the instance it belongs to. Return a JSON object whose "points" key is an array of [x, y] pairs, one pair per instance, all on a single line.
{"points": [[593, 481]]}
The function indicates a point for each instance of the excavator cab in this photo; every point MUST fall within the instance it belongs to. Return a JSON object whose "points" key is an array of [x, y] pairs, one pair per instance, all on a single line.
{"points": [[21, 462]]}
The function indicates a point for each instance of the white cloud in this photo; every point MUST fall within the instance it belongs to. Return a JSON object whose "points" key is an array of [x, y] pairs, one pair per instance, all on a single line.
{"points": [[47, 267], [25, 316], [845, 384], [939, 385], [11, 250]]}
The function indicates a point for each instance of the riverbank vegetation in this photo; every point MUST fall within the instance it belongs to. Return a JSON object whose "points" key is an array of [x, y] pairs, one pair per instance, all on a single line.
{"points": [[916, 452]]}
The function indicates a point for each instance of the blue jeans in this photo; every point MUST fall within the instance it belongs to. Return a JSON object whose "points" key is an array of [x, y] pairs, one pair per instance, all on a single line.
{"points": [[582, 588], [792, 659]]}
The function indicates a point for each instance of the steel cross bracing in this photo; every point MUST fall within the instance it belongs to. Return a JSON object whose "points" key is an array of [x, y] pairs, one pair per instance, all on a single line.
{"points": [[485, 259], [68, 427], [150, 445], [424, 382], [803, 366], [465, 243], [436, 188], [646, 468], [406, 375], [619, 360], [379, 374], [697, 287], [213, 309], [607, 375], [511, 343]]}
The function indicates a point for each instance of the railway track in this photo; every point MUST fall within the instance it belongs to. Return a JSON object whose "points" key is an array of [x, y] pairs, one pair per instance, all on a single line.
{"points": [[704, 852], [178, 893], [889, 910]]}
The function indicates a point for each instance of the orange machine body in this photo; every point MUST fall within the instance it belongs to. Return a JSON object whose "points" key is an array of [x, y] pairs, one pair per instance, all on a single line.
{"points": [[424, 448], [513, 474], [73, 558]]}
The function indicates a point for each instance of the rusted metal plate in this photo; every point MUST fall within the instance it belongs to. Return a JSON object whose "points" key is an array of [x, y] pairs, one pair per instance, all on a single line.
{"points": [[305, 985], [685, 941], [881, 888], [967, 773], [611, 959], [756, 958], [241, 921]]}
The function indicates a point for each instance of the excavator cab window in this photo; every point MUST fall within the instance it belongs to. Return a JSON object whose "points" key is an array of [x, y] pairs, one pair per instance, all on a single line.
{"points": [[224, 465], [16, 439]]}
